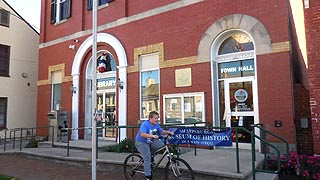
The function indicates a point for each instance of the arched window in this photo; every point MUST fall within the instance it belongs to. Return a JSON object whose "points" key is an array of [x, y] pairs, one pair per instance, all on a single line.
{"points": [[236, 43], [106, 63]]}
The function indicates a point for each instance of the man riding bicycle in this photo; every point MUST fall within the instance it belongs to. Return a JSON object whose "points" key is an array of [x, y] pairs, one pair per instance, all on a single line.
{"points": [[147, 140]]}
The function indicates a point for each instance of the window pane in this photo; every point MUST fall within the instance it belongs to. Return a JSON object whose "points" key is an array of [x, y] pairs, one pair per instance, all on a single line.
{"points": [[3, 112], [173, 112], [4, 17], [222, 104], [63, 10], [56, 96], [241, 96], [236, 43], [184, 108], [101, 2], [106, 63], [4, 60], [150, 61], [193, 109], [149, 92]]}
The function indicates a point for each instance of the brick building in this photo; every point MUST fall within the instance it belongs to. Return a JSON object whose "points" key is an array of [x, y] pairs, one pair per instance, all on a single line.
{"points": [[312, 24], [228, 63]]}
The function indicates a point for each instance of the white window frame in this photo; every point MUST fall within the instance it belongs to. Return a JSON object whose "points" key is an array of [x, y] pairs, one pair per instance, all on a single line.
{"points": [[56, 79], [182, 96], [57, 10], [143, 69]]}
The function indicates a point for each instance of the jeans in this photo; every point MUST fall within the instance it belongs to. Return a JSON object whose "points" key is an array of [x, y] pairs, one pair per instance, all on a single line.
{"points": [[146, 150]]}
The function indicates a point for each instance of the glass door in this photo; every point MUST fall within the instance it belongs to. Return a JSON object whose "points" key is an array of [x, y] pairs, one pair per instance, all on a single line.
{"points": [[106, 103], [110, 114], [237, 106]]}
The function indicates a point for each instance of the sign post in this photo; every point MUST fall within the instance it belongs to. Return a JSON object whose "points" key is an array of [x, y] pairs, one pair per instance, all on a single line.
{"points": [[94, 90]]}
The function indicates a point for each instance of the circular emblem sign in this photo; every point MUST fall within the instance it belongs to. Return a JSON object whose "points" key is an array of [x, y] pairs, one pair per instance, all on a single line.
{"points": [[241, 95]]}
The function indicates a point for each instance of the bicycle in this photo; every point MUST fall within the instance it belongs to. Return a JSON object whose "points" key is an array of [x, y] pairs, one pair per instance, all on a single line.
{"points": [[176, 168]]}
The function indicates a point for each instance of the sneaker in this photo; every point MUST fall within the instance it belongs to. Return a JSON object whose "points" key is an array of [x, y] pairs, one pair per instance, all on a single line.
{"points": [[148, 178]]}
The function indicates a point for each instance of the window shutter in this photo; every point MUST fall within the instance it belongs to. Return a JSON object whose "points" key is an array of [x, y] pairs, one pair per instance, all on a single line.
{"points": [[68, 9], [53, 11], [89, 4]]}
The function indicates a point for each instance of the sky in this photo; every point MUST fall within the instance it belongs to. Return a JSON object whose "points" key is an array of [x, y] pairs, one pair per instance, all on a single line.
{"points": [[29, 10]]}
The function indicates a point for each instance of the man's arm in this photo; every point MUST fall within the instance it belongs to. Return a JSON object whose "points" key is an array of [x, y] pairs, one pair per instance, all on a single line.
{"points": [[166, 132], [146, 135]]}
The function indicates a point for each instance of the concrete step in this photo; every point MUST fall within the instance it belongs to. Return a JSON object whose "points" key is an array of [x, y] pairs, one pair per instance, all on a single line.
{"points": [[264, 176], [44, 144], [76, 145]]}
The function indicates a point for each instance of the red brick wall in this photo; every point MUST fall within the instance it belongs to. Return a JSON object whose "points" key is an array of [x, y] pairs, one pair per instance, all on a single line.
{"points": [[138, 6], [199, 16], [302, 110], [181, 31], [312, 21], [275, 94]]}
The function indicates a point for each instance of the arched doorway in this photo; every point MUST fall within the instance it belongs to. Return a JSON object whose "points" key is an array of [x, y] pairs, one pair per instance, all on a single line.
{"points": [[106, 95], [121, 74], [234, 82], [208, 50]]}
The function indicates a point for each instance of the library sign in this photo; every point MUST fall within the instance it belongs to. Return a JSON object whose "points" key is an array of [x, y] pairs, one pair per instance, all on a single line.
{"points": [[201, 136], [106, 83]]}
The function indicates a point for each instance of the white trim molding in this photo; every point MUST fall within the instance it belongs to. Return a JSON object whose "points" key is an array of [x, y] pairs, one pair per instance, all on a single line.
{"points": [[122, 58]]}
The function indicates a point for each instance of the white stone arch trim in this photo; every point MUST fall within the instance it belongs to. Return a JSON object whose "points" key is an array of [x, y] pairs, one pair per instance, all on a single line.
{"points": [[243, 22], [122, 74]]}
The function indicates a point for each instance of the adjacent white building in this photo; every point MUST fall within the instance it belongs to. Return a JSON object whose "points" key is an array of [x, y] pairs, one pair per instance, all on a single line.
{"points": [[19, 43]]}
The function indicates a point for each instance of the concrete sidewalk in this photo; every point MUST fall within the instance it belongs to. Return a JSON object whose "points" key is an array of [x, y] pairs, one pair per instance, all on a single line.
{"points": [[219, 163]]}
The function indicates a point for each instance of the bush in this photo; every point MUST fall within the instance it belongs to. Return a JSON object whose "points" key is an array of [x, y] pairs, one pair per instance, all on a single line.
{"points": [[4, 177], [125, 145], [304, 166], [32, 144]]}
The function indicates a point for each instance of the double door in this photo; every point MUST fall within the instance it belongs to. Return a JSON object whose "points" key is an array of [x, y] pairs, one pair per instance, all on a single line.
{"points": [[238, 106]]}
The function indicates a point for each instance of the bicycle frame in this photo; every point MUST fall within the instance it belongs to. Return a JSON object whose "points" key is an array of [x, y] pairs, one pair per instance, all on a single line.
{"points": [[163, 155], [171, 166]]}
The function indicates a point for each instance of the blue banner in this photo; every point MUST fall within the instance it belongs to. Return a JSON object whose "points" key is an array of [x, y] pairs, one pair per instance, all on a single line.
{"points": [[201, 136]]}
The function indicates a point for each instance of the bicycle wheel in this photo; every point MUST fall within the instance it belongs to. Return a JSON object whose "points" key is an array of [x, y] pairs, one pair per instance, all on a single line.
{"points": [[178, 169], [133, 167]]}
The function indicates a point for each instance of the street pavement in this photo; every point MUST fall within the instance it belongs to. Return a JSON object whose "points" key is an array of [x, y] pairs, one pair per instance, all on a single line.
{"points": [[37, 163], [26, 168]]}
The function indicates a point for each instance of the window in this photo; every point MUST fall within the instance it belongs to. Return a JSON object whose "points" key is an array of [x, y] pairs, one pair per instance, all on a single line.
{"points": [[4, 17], [236, 43], [60, 10], [149, 84], [184, 108], [106, 63], [100, 2], [3, 112], [4, 60], [56, 90]]}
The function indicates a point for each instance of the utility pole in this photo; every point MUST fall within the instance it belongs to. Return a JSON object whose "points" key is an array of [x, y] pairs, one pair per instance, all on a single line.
{"points": [[94, 90]]}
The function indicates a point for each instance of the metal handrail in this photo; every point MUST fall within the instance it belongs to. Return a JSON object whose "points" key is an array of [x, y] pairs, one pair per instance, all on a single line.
{"points": [[265, 132], [264, 140], [21, 137], [193, 125]]}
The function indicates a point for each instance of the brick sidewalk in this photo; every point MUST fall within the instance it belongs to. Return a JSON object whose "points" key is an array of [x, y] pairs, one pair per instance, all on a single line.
{"points": [[26, 168]]}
